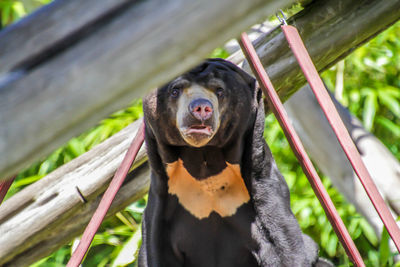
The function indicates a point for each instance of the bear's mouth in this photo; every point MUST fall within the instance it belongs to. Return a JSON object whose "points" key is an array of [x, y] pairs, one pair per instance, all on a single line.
{"points": [[197, 134], [199, 129]]}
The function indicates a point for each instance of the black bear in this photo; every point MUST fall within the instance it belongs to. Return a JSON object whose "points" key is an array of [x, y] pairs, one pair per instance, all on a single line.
{"points": [[216, 197]]}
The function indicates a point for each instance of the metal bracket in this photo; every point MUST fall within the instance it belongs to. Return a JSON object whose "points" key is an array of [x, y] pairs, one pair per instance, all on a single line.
{"points": [[281, 17]]}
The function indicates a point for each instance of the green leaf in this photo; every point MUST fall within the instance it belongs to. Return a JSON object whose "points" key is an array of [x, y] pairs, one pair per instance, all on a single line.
{"points": [[369, 111], [388, 124], [390, 102], [93, 137], [106, 132], [219, 53], [332, 245], [129, 251], [44, 2], [368, 232], [40, 262], [290, 178], [27, 180], [137, 206], [46, 167], [373, 258], [391, 90], [354, 224], [19, 9], [5, 14], [384, 249], [76, 147]]}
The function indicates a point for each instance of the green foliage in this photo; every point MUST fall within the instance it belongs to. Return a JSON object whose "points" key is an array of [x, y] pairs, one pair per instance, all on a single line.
{"points": [[372, 86], [372, 93], [220, 53], [310, 214], [118, 239], [12, 10]]}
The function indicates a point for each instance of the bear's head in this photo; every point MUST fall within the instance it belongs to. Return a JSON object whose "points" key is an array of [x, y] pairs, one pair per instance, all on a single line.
{"points": [[212, 104]]}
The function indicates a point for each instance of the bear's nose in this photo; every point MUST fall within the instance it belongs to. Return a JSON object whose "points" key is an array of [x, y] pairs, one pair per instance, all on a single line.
{"points": [[201, 109]]}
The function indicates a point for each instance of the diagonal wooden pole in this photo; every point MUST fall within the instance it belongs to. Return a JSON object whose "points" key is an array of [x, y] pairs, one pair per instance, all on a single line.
{"points": [[4, 186], [316, 84], [107, 199], [277, 108]]}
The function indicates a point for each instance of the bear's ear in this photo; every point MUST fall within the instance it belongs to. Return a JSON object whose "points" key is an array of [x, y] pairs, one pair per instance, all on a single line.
{"points": [[257, 94], [150, 109], [227, 65], [258, 129], [254, 147], [150, 104], [247, 78]]}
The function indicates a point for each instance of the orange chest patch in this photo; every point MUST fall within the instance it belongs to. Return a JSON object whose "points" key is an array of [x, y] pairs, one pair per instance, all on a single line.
{"points": [[223, 193]]}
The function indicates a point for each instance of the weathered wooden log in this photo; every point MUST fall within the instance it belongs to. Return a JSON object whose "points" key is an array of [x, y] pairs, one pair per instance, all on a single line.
{"points": [[330, 29], [47, 238], [52, 211], [82, 60]]}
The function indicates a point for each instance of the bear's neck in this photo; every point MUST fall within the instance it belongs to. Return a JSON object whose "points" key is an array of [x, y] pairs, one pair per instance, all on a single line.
{"points": [[207, 161]]}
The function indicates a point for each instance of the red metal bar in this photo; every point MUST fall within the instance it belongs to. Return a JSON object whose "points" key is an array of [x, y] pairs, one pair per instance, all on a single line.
{"points": [[277, 108], [107, 199], [4, 186], [316, 84]]}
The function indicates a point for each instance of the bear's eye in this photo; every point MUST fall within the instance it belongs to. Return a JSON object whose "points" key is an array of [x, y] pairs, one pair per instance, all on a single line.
{"points": [[219, 92], [175, 92]]}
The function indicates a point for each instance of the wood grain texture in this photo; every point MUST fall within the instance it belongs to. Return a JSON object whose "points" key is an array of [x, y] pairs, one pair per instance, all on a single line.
{"points": [[52, 27], [51, 212], [140, 47], [330, 29]]}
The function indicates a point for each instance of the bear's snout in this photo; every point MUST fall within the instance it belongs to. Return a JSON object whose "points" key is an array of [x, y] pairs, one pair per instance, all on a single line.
{"points": [[201, 109], [197, 115]]}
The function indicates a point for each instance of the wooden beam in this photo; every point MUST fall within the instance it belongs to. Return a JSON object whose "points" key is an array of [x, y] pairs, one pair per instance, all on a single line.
{"points": [[50, 29], [52, 211], [330, 29], [95, 57]]}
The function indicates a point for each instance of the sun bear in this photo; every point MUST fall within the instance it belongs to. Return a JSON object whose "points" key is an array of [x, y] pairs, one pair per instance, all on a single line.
{"points": [[216, 197]]}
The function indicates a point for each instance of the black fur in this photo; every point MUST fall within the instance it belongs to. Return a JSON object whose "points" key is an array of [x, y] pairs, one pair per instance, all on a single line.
{"points": [[263, 231]]}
